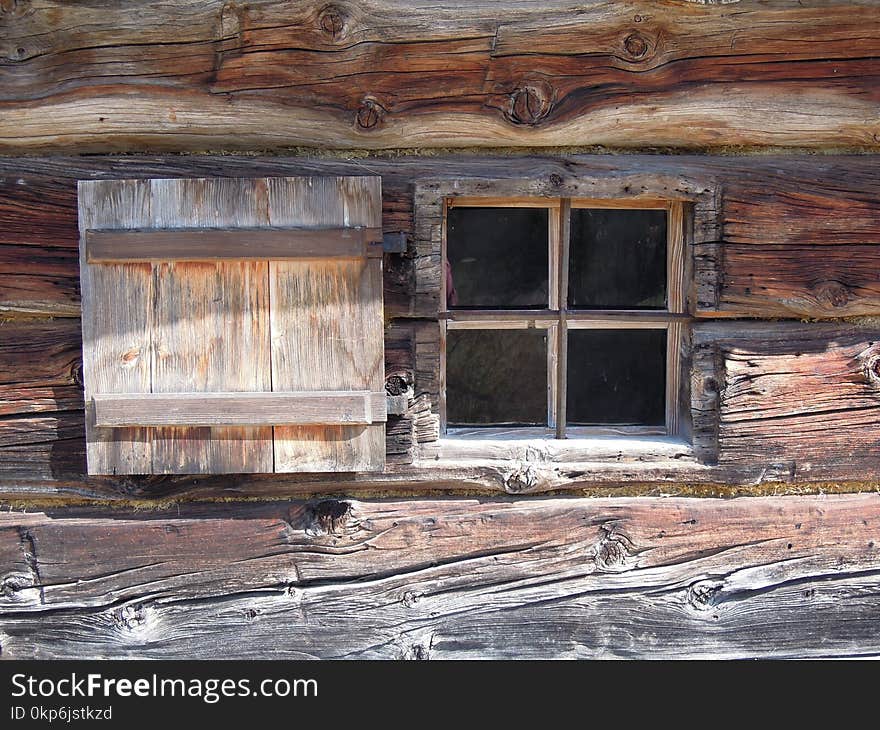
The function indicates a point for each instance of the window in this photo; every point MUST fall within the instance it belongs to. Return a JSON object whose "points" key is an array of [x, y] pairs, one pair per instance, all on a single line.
{"points": [[561, 317]]}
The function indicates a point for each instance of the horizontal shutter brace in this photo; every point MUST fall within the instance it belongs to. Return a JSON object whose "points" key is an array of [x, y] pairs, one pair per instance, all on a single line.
{"points": [[294, 408], [243, 244]]}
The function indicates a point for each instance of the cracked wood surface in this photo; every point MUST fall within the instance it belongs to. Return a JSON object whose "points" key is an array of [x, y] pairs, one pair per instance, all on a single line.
{"points": [[381, 74], [455, 578]]}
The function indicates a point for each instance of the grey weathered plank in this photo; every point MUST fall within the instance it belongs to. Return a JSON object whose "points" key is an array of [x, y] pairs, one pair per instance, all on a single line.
{"points": [[117, 325], [327, 322], [459, 578], [245, 244], [240, 409], [211, 324]]}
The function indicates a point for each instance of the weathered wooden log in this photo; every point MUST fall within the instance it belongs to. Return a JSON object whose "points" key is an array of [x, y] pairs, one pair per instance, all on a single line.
{"points": [[463, 578], [805, 398], [278, 73]]}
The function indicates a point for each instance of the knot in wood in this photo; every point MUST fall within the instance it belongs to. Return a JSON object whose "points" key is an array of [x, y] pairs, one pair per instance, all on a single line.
{"points": [[15, 583], [130, 617], [556, 180], [524, 479], [369, 114], [411, 599], [872, 367], [612, 552], [530, 103], [832, 294], [636, 46], [76, 374], [704, 595], [332, 21], [330, 516], [396, 385]]}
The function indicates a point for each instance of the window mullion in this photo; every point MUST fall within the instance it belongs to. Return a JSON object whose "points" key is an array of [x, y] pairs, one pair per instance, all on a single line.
{"points": [[562, 331]]}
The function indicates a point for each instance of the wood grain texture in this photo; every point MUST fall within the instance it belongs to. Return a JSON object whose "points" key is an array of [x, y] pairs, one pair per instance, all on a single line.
{"points": [[327, 323], [211, 326], [117, 326], [240, 409], [804, 398], [40, 366], [446, 579], [242, 244], [270, 74]]}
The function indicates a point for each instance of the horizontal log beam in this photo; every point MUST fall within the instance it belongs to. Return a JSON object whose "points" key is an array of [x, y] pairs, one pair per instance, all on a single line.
{"points": [[243, 244], [317, 408], [445, 579], [276, 74]]}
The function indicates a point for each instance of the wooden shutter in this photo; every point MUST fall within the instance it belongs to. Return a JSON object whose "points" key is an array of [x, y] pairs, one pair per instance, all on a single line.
{"points": [[232, 325]]}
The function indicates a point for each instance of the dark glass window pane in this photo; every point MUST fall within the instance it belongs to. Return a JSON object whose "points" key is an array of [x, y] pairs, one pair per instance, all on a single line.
{"points": [[617, 259], [498, 258], [496, 377], [616, 377]]}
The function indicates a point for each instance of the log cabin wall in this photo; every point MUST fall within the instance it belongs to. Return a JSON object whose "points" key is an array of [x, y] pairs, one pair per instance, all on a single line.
{"points": [[767, 111]]}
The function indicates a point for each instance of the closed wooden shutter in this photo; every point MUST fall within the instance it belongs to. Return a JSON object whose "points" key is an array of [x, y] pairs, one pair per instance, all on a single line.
{"points": [[232, 325]]}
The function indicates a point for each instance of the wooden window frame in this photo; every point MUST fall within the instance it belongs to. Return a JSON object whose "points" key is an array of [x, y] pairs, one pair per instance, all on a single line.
{"points": [[557, 319]]}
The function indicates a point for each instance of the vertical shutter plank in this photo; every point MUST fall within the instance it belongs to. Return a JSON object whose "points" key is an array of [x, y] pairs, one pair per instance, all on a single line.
{"points": [[117, 320], [211, 327], [326, 320]]}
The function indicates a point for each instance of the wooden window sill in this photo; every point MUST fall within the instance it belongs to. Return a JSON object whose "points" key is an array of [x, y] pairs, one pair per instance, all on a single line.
{"points": [[540, 445]]}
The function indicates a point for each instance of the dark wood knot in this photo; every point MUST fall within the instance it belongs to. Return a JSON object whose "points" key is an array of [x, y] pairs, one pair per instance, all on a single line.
{"points": [[530, 103], [15, 583], [556, 180], [704, 595], [369, 114], [396, 385], [832, 294], [636, 46], [76, 374], [329, 516], [332, 21], [130, 617], [613, 552]]}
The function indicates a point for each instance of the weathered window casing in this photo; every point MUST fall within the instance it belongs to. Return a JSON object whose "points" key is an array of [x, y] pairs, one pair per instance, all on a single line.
{"points": [[693, 218]]}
